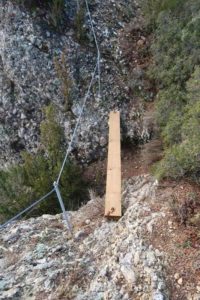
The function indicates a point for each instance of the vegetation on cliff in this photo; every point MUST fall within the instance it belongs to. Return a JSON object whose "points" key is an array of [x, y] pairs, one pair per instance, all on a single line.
{"points": [[20, 184], [176, 73]]}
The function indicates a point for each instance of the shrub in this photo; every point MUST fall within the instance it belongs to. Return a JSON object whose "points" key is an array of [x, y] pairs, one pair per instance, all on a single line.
{"points": [[176, 162], [34, 178], [184, 209], [193, 86], [182, 157], [152, 8], [55, 9], [171, 65], [168, 101], [64, 77], [171, 133], [175, 71], [56, 14], [80, 30]]}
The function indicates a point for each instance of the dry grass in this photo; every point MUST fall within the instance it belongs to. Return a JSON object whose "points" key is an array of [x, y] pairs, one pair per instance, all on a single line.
{"points": [[186, 208], [93, 210], [180, 243], [66, 287], [62, 70]]}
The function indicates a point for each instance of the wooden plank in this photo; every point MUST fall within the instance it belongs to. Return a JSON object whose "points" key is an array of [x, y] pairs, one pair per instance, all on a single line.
{"points": [[113, 184]]}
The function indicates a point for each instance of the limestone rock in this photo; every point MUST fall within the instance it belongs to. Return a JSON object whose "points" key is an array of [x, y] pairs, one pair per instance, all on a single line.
{"points": [[108, 260], [29, 80]]}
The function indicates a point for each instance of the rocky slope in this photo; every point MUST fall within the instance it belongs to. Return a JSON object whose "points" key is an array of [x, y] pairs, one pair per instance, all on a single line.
{"points": [[104, 259], [29, 79]]}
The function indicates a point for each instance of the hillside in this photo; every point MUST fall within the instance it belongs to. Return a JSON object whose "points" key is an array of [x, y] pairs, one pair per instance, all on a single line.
{"points": [[46, 70], [40, 65], [145, 255], [103, 260], [64, 65]]}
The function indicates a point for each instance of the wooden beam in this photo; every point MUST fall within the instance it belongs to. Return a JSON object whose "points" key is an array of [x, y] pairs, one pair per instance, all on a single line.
{"points": [[113, 184]]}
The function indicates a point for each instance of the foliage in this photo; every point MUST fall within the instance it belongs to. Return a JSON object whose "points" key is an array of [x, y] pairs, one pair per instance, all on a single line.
{"points": [[170, 63], [184, 208], [152, 8], [21, 184], [176, 72], [56, 12], [182, 156], [55, 9], [64, 77], [80, 30], [169, 101]]}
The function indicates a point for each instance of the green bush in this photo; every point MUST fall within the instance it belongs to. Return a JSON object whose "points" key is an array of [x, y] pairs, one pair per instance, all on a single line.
{"points": [[80, 30], [152, 8], [193, 86], [61, 68], [171, 133], [182, 155], [170, 63], [22, 184], [168, 101], [56, 14], [176, 73]]}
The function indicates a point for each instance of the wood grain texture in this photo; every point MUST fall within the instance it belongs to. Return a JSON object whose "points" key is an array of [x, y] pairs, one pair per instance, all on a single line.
{"points": [[113, 184]]}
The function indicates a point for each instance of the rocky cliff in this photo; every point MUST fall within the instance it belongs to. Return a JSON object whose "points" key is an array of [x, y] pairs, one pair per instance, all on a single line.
{"points": [[104, 259], [38, 64]]}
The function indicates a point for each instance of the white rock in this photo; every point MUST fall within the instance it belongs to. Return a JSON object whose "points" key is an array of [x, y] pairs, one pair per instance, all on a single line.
{"points": [[170, 223], [158, 296], [180, 281], [136, 258], [176, 276], [198, 288], [87, 222], [150, 258], [129, 274]]}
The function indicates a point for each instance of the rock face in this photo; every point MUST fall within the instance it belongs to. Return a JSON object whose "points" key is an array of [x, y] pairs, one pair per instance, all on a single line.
{"points": [[29, 79], [103, 260]]}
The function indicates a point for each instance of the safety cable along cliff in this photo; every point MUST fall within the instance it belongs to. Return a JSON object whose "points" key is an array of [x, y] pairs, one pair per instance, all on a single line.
{"points": [[69, 148]]}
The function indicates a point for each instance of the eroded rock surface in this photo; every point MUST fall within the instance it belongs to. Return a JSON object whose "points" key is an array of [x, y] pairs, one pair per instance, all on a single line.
{"points": [[103, 260], [29, 80]]}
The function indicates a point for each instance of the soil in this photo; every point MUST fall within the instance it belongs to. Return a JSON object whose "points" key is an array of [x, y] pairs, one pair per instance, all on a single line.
{"points": [[180, 243]]}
